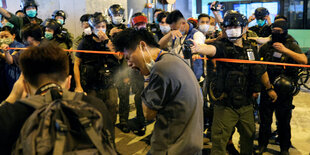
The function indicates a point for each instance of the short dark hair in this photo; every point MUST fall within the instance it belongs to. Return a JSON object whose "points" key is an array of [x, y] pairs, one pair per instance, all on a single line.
{"points": [[8, 29], [157, 10], [130, 38], [85, 18], [174, 17], [280, 17], [162, 15], [203, 15], [47, 59], [32, 30]]}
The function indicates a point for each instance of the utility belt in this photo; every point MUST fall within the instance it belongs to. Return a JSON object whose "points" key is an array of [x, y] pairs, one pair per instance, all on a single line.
{"points": [[100, 75], [230, 91]]}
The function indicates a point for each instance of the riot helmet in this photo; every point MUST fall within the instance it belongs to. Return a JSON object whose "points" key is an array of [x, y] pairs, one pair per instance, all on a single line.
{"points": [[96, 19], [29, 3], [261, 13], [285, 86], [116, 12], [234, 19], [60, 13], [52, 24]]}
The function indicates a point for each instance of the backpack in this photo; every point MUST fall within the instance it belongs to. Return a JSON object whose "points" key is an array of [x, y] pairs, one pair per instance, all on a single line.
{"points": [[66, 125]]}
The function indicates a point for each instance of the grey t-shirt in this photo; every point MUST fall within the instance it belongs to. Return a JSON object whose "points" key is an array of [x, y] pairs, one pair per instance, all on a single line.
{"points": [[173, 91]]}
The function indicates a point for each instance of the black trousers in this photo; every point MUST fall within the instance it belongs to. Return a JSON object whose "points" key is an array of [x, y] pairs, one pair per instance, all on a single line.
{"points": [[283, 110], [124, 108], [137, 86]]}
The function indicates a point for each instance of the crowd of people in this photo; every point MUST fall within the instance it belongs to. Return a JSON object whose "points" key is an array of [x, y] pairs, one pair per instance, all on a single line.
{"points": [[161, 66]]}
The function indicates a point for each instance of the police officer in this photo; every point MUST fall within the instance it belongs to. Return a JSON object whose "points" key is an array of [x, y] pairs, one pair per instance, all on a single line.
{"points": [[281, 48], [86, 30], [235, 86], [93, 72], [262, 29], [116, 13], [61, 17], [30, 8], [52, 31]]}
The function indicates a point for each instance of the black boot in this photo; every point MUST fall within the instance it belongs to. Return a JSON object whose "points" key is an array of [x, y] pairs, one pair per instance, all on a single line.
{"points": [[260, 150], [284, 152]]}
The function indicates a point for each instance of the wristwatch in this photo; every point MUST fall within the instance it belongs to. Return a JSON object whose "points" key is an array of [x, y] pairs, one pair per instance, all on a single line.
{"points": [[271, 88]]}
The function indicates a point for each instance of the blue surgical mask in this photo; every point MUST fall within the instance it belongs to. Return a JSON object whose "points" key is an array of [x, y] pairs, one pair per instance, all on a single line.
{"points": [[97, 30], [31, 13], [261, 22], [48, 35], [60, 21]]}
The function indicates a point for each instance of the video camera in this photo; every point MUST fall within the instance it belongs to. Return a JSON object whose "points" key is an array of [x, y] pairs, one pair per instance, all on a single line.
{"points": [[217, 6], [187, 52]]}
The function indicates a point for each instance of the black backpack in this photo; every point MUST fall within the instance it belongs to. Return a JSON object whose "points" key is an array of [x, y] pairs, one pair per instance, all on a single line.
{"points": [[66, 125]]}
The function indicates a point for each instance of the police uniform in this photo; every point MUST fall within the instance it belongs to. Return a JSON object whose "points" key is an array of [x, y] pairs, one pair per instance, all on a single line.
{"points": [[96, 72], [283, 106], [261, 31], [123, 87], [232, 91], [20, 22]]}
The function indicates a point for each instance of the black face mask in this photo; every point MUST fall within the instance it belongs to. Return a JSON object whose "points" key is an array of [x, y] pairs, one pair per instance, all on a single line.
{"points": [[278, 37]]}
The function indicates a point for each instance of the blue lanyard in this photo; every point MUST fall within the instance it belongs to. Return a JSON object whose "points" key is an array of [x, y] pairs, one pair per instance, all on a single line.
{"points": [[158, 55]]}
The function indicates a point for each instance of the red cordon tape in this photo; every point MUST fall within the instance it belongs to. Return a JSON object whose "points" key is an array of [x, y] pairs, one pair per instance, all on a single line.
{"points": [[216, 59]]}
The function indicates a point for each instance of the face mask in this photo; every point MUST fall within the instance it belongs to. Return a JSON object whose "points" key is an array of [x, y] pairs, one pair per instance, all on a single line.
{"points": [[204, 28], [278, 37], [261, 22], [117, 20], [164, 29], [211, 29], [97, 30], [7, 41], [9, 25], [234, 34], [48, 35], [88, 31], [31, 13], [61, 21], [149, 65]]}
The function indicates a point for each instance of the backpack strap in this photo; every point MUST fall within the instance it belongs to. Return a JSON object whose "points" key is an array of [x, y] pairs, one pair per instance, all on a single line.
{"points": [[94, 136], [60, 140]]}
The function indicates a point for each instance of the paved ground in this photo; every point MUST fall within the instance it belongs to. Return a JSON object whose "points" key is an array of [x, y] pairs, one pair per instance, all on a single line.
{"points": [[129, 144]]}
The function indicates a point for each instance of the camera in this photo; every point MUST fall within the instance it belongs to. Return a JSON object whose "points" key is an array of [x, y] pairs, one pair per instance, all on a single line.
{"points": [[217, 6], [187, 52]]}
